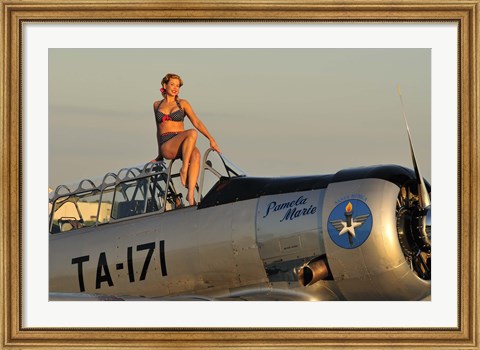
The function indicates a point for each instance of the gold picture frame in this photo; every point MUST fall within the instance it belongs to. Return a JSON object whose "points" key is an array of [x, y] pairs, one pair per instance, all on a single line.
{"points": [[16, 12]]}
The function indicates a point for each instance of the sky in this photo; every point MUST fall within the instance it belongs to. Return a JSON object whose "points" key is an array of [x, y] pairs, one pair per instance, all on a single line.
{"points": [[273, 112]]}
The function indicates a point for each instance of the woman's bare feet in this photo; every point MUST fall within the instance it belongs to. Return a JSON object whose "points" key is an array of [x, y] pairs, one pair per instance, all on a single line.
{"points": [[191, 201]]}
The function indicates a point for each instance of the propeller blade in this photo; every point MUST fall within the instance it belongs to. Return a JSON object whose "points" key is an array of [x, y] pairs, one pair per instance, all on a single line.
{"points": [[423, 197]]}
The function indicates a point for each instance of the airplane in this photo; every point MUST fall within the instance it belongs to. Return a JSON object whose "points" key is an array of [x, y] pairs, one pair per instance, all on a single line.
{"points": [[358, 234]]}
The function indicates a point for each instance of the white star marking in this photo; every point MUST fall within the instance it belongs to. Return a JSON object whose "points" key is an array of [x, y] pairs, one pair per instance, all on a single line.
{"points": [[349, 229]]}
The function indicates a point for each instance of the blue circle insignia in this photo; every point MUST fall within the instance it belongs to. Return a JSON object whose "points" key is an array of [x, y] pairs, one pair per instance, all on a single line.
{"points": [[350, 223]]}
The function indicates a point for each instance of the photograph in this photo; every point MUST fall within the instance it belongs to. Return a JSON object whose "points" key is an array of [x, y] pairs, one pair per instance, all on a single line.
{"points": [[333, 205]]}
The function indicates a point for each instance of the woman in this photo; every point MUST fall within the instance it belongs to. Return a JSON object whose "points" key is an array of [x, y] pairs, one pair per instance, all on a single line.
{"points": [[173, 140]]}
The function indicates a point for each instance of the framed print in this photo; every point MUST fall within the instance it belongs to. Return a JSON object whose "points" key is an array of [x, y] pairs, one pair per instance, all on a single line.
{"points": [[285, 89]]}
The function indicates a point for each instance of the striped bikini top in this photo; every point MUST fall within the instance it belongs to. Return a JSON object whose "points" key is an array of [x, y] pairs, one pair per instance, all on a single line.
{"points": [[176, 116]]}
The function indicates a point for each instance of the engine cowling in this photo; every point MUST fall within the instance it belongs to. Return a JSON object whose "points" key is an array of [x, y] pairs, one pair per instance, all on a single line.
{"points": [[377, 244]]}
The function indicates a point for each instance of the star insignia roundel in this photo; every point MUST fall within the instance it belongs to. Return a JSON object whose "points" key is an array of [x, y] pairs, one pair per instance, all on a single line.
{"points": [[350, 223]]}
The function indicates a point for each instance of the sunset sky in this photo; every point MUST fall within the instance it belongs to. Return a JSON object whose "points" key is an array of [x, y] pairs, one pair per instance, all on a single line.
{"points": [[273, 112]]}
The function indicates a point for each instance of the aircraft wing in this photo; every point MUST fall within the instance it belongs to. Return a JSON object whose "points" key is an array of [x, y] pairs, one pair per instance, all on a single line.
{"points": [[277, 291]]}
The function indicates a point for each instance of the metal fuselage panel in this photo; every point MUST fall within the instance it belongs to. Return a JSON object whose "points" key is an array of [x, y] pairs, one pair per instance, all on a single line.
{"points": [[185, 251], [289, 226]]}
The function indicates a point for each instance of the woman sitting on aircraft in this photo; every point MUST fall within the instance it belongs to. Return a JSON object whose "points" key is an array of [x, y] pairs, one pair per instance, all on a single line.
{"points": [[173, 140]]}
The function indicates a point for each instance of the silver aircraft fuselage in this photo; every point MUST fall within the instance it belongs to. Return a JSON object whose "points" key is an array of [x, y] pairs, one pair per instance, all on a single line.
{"points": [[345, 236]]}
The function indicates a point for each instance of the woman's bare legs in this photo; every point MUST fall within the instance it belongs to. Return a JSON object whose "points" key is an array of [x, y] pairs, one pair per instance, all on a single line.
{"points": [[188, 146], [185, 141], [193, 171]]}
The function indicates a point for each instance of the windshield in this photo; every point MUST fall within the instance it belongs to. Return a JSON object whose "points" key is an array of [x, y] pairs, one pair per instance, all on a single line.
{"points": [[232, 169], [215, 167]]}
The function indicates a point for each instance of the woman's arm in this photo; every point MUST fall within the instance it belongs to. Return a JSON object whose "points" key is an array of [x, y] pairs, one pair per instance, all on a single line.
{"points": [[198, 124]]}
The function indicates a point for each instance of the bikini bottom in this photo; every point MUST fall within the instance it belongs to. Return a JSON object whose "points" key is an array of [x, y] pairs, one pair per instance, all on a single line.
{"points": [[164, 138], [167, 136]]}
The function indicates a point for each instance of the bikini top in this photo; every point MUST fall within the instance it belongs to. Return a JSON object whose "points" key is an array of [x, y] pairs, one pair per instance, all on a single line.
{"points": [[176, 116]]}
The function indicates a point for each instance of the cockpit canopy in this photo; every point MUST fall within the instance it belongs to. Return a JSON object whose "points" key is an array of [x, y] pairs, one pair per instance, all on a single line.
{"points": [[134, 191]]}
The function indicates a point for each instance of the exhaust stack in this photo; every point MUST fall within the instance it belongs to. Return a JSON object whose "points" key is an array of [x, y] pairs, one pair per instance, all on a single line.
{"points": [[313, 271]]}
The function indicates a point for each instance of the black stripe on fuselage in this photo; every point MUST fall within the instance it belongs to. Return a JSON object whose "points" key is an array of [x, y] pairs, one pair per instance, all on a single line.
{"points": [[243, 188]]}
